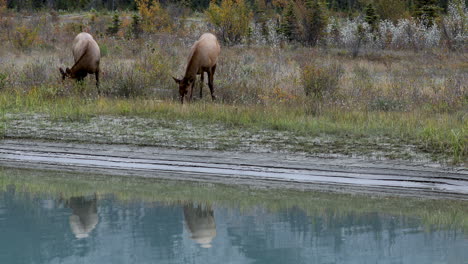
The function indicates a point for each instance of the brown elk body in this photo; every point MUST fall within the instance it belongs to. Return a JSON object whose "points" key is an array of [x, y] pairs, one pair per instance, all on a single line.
{"points": [[87, 56], [203, 58]]}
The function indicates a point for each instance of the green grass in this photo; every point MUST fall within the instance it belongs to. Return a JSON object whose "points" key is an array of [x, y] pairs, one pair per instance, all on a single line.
{"points": [[433, 213], [444, 135]]}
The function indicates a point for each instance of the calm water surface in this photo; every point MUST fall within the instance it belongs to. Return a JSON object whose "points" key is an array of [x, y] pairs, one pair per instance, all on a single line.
{"points": [[43, 227]]}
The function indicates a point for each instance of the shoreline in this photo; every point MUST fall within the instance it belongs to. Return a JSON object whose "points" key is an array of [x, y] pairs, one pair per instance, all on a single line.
{"points": [[265, 170]]}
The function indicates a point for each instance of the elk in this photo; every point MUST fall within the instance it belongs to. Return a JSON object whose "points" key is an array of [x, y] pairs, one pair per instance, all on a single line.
{"points": [[87, 56], [203, 58]]}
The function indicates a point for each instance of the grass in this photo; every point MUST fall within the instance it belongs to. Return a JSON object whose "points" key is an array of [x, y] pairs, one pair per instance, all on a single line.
{"points": [[434, 214]]}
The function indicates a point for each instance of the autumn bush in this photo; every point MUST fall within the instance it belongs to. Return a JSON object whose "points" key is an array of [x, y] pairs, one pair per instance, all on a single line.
{"points": [[154, 18], [231, 20], [320, 81], [25, 37]]}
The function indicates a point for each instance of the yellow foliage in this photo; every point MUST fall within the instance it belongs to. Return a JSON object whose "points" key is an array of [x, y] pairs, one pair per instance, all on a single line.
{"points": [[153, 17], [125, 28], [231, 19], [24, 37], [3, 6], [280, 3]]}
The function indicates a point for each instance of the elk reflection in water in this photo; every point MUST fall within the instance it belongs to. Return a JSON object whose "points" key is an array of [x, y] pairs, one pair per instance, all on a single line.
{"points": [[84, 216], [200, 223]]}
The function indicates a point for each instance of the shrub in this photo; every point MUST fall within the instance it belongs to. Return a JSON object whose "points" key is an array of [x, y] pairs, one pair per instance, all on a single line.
{"points": [[231, 20], [25, 38], [153, 17], [242, 79], [266, 33], [321, 81], [405, 34], [156, 65], [454, 25], [127, 82]]}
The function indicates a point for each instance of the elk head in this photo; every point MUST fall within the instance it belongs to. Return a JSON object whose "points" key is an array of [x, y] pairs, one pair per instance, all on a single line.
{"points": [[66, 73], [184, 85]]}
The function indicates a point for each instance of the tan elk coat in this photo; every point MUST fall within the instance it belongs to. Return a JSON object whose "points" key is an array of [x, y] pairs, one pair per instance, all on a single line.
{"points": [[203, 58], [87, 56]]}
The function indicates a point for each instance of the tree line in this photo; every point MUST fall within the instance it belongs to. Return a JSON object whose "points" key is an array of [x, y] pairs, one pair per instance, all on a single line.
{"points": [[385, 7]]}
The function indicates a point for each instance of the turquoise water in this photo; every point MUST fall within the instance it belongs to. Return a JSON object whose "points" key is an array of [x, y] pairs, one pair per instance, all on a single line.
{"points": [[41, 227]]}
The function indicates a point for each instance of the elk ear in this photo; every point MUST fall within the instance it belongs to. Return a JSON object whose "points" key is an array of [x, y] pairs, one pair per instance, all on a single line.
{"points": [[176, 80]]}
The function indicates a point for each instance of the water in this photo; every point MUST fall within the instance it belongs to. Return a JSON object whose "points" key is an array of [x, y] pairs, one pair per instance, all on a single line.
{"points": [[49, 219]]}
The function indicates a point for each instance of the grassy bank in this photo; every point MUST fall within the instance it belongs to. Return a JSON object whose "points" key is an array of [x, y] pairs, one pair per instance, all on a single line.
{"points": [[433, 213], [444, 135]]}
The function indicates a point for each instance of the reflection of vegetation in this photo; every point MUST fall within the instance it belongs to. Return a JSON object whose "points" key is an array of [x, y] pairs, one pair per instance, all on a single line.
{"points": [[433, 213]]}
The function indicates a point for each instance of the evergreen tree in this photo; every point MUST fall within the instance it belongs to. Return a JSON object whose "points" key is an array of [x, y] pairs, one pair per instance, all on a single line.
{"points": [[371, 17], [114, 28], [136, 26], [260, 16], [427, 10], [288, 25], [316, 21]]}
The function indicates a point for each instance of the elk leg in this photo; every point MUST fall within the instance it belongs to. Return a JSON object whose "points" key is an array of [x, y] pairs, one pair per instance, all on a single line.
{"points": [[97, 82], [201, 84], [191, 90], [210, 81]]}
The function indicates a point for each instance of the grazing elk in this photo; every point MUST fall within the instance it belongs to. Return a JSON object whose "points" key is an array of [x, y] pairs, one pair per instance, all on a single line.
{"points": [[87, 56], [203, 58]]}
